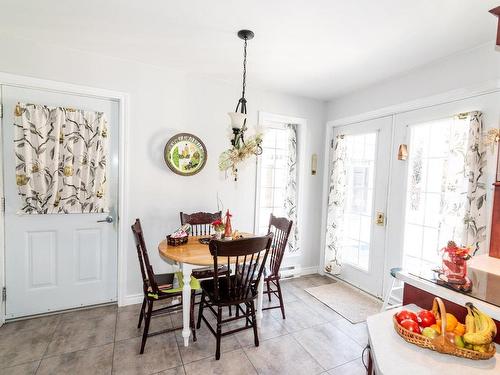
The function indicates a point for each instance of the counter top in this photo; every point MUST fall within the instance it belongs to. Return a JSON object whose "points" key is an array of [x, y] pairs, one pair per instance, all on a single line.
{"points": [[485, 263], [450, 295], [392, 355]]}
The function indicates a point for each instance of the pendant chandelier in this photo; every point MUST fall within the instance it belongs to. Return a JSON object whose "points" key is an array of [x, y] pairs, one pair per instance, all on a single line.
{"points": [[240, 149]]}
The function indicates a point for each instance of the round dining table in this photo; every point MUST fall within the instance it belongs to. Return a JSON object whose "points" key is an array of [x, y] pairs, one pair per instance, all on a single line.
{"points": [[192, 255]]}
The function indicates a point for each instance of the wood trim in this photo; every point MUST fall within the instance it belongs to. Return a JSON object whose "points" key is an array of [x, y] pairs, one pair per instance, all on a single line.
{"points": [[496, 12], [424, 299], [495, 224]]}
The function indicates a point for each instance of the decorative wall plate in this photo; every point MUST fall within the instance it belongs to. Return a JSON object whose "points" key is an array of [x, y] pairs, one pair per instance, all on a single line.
{"points": [[185, 154]]}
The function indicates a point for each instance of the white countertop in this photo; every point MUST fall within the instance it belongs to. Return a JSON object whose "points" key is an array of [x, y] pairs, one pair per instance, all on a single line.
{"points": [[393, 355], [450, 295], [485, 263]]}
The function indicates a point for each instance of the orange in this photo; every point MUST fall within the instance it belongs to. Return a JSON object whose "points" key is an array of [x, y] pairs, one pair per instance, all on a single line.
{"points": [[451, 322], [437, 326], [459, 329]]}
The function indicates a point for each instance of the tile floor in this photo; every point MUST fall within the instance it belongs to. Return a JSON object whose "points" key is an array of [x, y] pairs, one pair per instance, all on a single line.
{"points": [[312, 340]]}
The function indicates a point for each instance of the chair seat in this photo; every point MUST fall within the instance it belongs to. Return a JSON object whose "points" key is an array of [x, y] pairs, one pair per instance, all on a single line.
{"points": [[208, 272], [166, 279], [225, 295]]}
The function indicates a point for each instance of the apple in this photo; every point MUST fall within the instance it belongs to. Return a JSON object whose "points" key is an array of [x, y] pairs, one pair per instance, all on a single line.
{"points": [[405, 314], [411, 326], [426, 318], [430, 332]]}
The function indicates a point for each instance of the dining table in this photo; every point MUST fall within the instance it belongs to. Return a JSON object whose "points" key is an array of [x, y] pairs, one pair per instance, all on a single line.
{"points": [[191, 255]]}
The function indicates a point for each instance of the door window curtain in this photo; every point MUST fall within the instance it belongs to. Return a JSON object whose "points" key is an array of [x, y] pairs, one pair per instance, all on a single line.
{"points": [[475, 217], [290, 203], [336, 206], [61, 157]]}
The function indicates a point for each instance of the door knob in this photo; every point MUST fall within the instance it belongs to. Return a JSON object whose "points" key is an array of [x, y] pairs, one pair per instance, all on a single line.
{"points": [[108, 219]]}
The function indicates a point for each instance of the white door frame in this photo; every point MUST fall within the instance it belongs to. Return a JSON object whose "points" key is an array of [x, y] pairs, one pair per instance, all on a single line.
{"points": [[480, 89], [123, 116]]}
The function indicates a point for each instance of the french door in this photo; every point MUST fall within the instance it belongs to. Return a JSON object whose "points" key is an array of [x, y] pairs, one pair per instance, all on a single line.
{"points": [[57, 261], [361, 217]]}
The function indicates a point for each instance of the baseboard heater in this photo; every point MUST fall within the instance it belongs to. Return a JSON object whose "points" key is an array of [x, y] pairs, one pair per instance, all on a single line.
{"points": [[289, 272]]}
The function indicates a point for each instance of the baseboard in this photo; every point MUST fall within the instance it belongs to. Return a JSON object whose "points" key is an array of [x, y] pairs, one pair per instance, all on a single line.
{"points": [[309, 270], [131, 299]]}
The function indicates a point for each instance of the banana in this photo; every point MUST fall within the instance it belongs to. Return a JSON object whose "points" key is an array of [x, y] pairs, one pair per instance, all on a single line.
{"points": [[470, 324], [485, 329], [482, 348]]}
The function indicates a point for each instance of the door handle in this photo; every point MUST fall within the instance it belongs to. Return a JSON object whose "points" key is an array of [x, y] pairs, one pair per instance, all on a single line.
{"points": [[108, 219]]}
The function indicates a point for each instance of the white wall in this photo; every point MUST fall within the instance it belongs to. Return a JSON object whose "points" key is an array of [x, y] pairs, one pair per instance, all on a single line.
{"points": [[461, 70], [164, 102]]}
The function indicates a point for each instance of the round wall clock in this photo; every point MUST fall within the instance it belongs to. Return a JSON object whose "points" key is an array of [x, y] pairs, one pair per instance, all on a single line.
{"points": [[185, 154]]}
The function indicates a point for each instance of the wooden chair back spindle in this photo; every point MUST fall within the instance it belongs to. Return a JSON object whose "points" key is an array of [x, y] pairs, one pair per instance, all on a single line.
{"points": [[201, 222], [249, 256]]}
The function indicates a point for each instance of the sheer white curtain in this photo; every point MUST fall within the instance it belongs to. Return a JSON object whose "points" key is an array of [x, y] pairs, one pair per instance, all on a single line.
{"points": [[446, 197], [290, 203], [475, 218], [336, 206], [61, 157]]}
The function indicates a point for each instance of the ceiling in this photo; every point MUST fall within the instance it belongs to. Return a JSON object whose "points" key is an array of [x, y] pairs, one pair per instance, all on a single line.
{"points": [[314, 48]]}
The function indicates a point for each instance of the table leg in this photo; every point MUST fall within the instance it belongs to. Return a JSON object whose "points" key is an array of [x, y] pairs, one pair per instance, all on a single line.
{"points": [[260, 297], [186, 302]]}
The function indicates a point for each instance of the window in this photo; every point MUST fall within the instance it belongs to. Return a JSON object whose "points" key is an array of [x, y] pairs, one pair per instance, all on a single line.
{"points": [[435, 196], [360, 173], [273, 175]]}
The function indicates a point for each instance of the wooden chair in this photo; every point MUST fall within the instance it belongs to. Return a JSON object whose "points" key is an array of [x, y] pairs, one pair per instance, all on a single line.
{"points": [[280, 227], [158, 287], [201, 224], [240, 288]]}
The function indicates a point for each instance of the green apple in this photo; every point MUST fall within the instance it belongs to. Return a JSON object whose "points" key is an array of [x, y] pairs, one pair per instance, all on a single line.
{"points": [[430, 332], [459, 342]]}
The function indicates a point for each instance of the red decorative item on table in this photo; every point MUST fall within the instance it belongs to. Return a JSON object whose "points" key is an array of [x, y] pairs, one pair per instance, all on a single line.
{"points": [[228, 229], [455, 263]]}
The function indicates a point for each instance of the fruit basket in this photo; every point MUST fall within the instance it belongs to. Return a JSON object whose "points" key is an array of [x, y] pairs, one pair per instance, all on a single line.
{"points": [[176, 241], [442, 343]]}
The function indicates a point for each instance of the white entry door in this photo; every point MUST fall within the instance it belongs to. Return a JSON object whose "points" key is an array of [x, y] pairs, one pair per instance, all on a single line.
{"points": [[366, 166], [58, 261]]}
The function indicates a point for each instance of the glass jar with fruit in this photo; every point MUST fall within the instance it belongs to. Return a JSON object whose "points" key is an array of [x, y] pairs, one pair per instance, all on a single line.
{"points": [[454, 260]]}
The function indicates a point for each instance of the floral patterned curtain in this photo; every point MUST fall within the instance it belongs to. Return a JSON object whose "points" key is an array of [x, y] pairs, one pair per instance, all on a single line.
{"points": [[291, 188], [336, 205], [475, 219], [61, 157]]}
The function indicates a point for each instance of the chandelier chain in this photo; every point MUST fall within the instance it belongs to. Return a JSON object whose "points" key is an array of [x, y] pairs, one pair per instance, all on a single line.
{"points": [[244, 69]]}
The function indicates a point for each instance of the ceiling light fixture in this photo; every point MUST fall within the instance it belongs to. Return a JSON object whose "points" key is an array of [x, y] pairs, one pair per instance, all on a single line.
{"points": [[240, 150]]}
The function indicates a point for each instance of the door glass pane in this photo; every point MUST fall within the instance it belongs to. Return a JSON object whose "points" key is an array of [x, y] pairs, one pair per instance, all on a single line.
{"points": [[358, 213], [436, 178], [273, 176]]}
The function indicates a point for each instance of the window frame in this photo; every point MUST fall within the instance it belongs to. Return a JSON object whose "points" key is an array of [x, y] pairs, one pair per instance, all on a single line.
{"points": [[271, 120]]}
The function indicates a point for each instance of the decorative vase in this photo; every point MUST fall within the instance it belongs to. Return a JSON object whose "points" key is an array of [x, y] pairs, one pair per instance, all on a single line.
{"points": [[218, 234], [228, 229]]}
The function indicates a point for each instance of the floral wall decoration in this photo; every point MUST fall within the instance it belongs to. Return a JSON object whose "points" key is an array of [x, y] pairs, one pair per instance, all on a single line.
{"points": [[61, 158]]}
